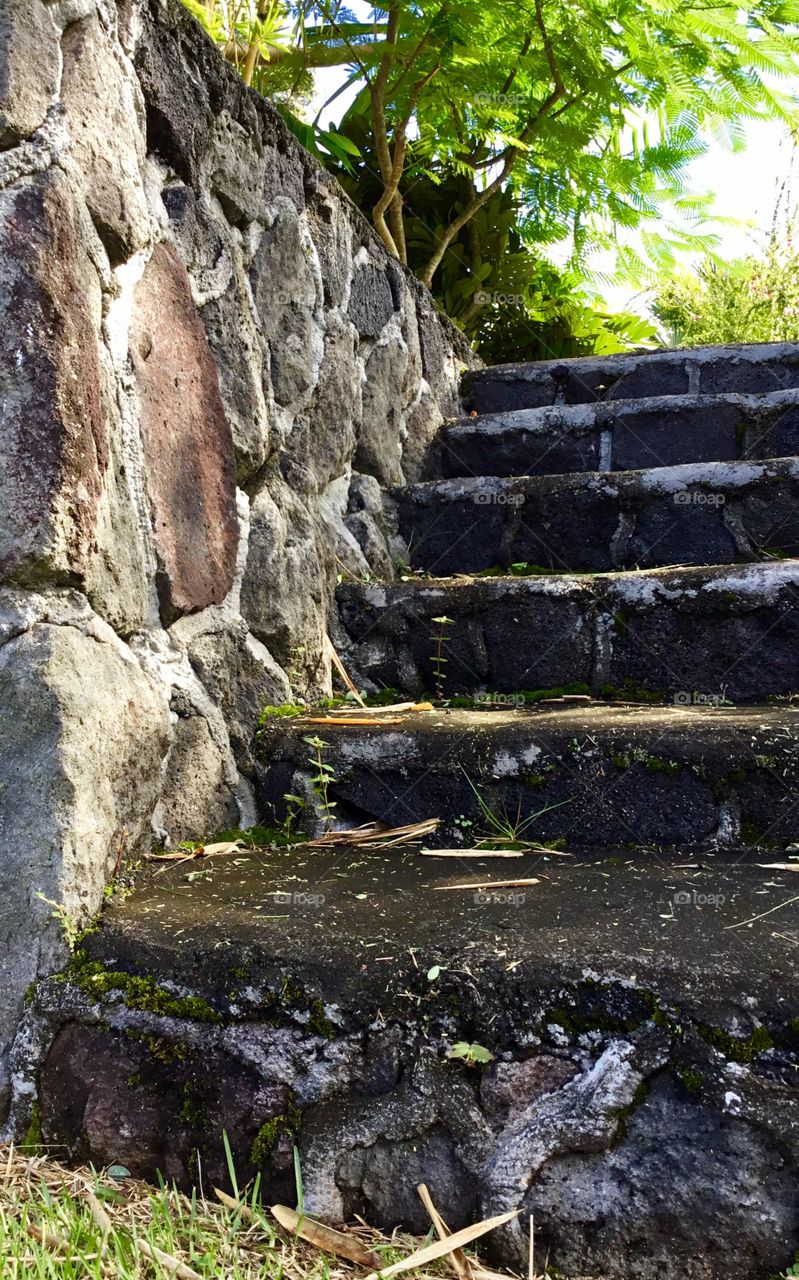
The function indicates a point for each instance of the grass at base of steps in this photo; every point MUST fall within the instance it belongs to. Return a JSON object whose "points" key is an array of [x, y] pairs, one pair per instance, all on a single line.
{"points": [[49, 1232]]}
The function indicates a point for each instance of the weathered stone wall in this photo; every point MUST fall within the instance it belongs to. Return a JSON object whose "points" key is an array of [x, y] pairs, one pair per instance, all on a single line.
{"points": [[208, 369]]}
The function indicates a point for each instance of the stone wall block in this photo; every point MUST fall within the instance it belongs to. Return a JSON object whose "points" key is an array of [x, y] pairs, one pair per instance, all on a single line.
{"points": [[53, 443], [241, 677], [105, 120], [84, 732], [288, 581], [286, 296], [28, 40], [188, 447], [379, 448]]}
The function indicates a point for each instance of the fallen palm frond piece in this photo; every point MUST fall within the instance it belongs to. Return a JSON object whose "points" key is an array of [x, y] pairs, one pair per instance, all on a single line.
{"points": [[377, 834], [354, 721], [488, 884], [457, 1260], [386, 710], [342, 670], [78, 1224], [339, 1243], [216, 850], [442, 1248], [473, 853]]}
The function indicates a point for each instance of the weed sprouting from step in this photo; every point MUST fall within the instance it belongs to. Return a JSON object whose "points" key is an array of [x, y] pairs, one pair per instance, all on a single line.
{"points": [[439, 661], [322, 779], [473, 1055], [505, 832]]}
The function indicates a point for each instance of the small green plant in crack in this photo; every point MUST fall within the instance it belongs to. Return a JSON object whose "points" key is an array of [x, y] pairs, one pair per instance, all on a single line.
{"points": [[439, 660], [323, 777], [473, 1055], [71, 931], [505, 832]]}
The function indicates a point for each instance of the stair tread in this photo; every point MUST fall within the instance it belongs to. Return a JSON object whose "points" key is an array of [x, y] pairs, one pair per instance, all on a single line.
{"points": [[593, 774], [617, 435], [745, 368], [375, 926], [693, 513], [732, 628]]}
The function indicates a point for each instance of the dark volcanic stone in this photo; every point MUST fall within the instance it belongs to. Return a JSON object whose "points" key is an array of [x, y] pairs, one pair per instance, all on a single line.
{"points": [[371, 300], [633, 1080], [191, 473]]}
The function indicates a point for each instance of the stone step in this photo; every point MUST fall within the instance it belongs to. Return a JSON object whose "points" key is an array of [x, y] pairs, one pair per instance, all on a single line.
{"points": [[595, 775], [642, 1046], [697, 513], [754, 368], [676, 633], [624, 435]]}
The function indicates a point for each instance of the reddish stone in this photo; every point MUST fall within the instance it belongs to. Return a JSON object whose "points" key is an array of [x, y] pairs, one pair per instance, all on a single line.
{"points": [[188, 446], [508, 1087], [53, 447]]}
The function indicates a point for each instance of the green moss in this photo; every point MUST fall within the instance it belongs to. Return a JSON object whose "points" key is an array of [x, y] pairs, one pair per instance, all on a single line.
{"points": [[139, 993], [752, 834], [166, 1052], [692, 1081], [285, 711], [272, 1131], [133, 1081], [626, 759], [631, 692], [33, 1140], [192, 1111], [669, 767], [294, 996], [735, 1049]]}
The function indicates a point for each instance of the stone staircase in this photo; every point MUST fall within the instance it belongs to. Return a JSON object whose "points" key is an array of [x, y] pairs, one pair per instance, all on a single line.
{"points": [[613, 544]]}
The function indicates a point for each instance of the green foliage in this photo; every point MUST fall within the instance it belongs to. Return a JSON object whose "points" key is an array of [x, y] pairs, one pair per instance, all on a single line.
{"points": [[481, 135], [753, 299]]}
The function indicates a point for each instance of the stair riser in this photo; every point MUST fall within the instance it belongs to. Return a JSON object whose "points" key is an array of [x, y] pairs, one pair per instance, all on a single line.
{"points": [[710, 515], [629, 784], [740, 639], [628, 437], [751, 370]]}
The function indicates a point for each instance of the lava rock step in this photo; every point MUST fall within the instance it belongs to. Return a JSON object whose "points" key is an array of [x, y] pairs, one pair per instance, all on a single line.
{"points": [[644, 1057], [751, 368], [624, 435], [698, 513], [720, 631], [594, 775]]}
